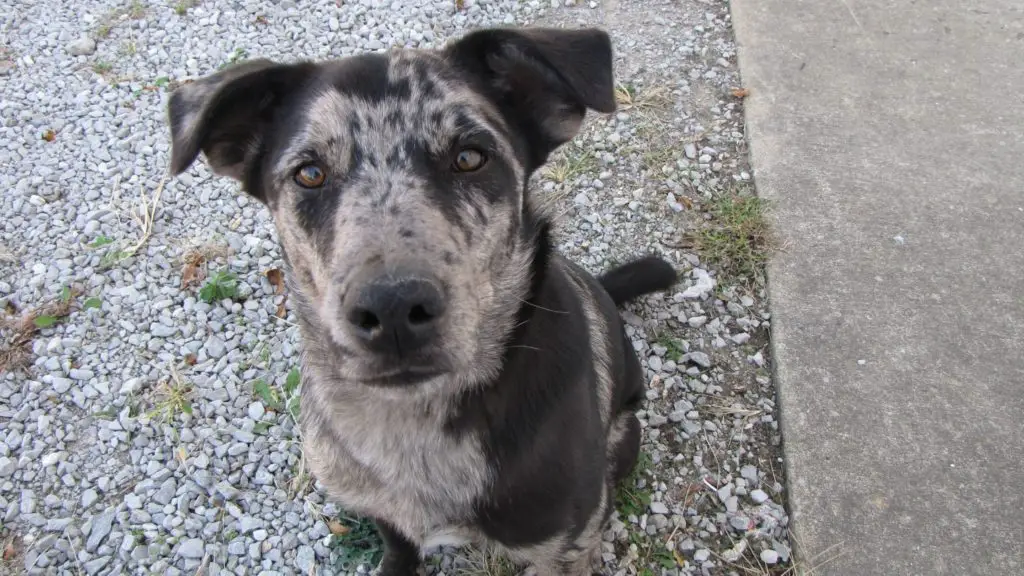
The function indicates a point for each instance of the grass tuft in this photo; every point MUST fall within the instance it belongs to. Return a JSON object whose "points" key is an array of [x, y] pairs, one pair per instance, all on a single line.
{"points": [[174, 396], [182, 6], [237, 56], [629, 97], [135, 10], [102, 67], [570, 162], [484, 561], [738, 240], [674, 350]]}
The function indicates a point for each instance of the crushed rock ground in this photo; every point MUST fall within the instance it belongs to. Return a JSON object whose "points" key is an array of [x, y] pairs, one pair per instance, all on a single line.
{"points": [[144, 430]]}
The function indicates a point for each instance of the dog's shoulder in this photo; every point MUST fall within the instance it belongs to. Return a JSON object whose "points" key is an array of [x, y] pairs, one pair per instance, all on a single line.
{"points": [[542, 422]]}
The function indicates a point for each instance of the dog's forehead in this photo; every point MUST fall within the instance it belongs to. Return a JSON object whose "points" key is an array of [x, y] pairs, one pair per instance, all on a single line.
{"points": [[386, 105], [404, 75]]}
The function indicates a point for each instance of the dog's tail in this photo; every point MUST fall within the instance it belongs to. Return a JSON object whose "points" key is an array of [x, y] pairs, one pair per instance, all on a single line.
{"points": [[637, 278]]}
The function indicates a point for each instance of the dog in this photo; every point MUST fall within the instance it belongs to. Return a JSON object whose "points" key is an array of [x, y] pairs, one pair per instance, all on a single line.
{"points": [[462, 381]]}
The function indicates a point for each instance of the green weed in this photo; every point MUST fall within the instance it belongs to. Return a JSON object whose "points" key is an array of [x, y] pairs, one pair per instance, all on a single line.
{"points": [[358, 543], [220, 286]]}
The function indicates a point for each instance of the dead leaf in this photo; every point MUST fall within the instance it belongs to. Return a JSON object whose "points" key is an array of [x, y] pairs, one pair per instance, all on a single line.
{"points": [[281, 312], [49, 135], [460, 5], [337, 528], [740, 92], [10, 551], [678, 557], [191, 274], [194, 271], [190, 359], [276, 279]]}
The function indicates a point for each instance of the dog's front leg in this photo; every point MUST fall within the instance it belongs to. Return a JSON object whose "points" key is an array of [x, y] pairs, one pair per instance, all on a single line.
{"points": [[401, 557]]}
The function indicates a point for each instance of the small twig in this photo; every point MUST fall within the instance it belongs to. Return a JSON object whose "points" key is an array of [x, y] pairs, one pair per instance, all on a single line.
{"points": [[204, 565], [148, 215], [74, 553]]}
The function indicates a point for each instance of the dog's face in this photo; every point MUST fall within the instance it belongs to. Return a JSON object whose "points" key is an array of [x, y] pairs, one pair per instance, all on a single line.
{"points": [[397, 184]]}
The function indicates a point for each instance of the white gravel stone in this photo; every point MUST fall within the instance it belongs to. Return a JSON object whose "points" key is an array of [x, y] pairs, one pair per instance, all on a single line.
{"points": [[192, 548], [83, 46], [256, 411], [769, 557], [759, 496]]}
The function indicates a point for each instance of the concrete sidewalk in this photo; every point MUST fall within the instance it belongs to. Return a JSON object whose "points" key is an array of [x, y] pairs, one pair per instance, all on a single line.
{"points": [[890, 138]]}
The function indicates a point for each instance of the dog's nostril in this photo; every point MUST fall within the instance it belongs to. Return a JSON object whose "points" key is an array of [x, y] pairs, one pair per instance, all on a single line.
{"points": [[366, 320], [419, 315]]}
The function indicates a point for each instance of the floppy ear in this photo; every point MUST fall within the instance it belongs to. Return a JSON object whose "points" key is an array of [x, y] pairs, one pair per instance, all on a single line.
{"points": [[226, 114], [543, 79]]}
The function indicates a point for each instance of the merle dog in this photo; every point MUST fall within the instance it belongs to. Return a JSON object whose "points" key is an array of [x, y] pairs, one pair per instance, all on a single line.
{"points": [[461, 380]]}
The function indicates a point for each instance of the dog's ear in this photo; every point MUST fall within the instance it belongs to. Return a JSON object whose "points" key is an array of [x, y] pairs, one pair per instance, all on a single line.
{"points": [[543, 79], [225, 115]]}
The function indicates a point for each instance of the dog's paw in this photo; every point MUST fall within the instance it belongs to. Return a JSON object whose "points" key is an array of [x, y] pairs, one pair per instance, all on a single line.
{"points": [[396, 566]]}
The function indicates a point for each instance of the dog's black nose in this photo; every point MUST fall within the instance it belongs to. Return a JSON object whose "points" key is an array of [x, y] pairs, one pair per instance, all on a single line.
{"points": [[396, 314]]}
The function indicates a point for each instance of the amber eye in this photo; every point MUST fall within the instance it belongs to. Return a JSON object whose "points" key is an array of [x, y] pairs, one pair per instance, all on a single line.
{"points": [[310, 176], [469, 160]]}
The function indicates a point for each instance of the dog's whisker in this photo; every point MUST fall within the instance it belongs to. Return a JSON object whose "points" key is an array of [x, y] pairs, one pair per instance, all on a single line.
{"points": [[539, 307], [525, 347]]}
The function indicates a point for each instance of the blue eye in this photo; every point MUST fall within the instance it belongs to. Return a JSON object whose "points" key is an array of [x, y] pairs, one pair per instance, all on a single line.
{"points": [[469, 160], [310, 176]]}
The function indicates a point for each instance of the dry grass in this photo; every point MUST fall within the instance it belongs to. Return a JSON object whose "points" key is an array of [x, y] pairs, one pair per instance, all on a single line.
{"points": [[196, 254], [145, 215], [135, 10], [174, 395], [143, 212], [570, 162], [12, 548], [484, 561], [631, 98], [6, 255], [18, 331], [750, 564]]}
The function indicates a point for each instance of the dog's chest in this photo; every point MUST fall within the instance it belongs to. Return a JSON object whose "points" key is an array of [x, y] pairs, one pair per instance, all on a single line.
{"points": [[400, 465]]}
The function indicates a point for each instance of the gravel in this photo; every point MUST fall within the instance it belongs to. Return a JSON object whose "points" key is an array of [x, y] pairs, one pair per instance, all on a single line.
{"points": [[147, 431]]}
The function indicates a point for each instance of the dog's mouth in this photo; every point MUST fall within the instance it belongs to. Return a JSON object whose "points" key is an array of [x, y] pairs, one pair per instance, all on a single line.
{"points": [[392, 370], [405, 376]]}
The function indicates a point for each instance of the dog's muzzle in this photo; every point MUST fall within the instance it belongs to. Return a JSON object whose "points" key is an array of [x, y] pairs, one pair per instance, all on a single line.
{"points": [[395, 315]]}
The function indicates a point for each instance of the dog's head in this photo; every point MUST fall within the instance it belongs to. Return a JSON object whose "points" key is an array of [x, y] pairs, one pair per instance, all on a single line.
{"points": [[397, 184]]}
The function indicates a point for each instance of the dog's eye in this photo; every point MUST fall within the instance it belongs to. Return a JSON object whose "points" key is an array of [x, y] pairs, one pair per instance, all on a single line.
{"points": [[469, 160], [310, 176]]}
